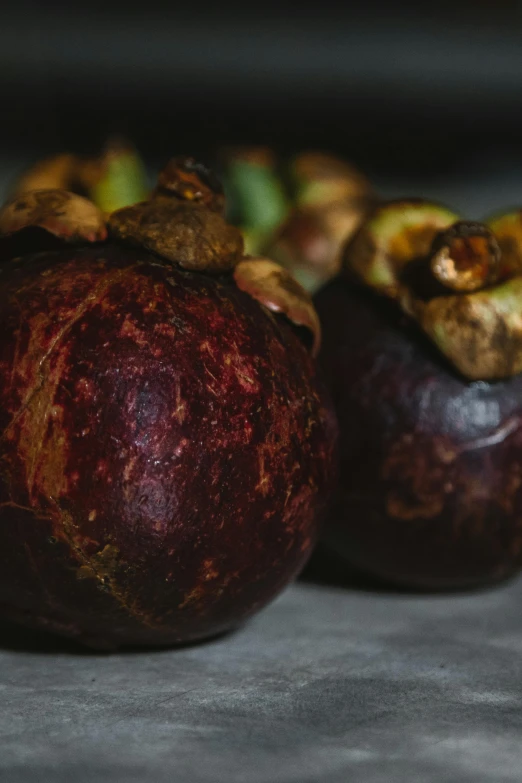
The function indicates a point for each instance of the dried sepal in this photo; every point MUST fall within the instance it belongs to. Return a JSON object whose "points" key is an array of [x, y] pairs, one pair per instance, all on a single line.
{"points": [[395, 234], [276, 289], [465, 257], [507, 228], [186, 234], [479, 327], [480, 333], [65, 215], [183, 222], [460, 281]]}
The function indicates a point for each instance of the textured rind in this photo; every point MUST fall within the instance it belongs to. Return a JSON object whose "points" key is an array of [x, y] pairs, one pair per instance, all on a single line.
{"points": [[166, 450], [431, 471]]}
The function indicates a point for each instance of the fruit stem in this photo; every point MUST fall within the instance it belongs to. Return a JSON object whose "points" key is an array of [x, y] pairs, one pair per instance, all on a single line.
{"points": [[185, 179], [465, 257]]}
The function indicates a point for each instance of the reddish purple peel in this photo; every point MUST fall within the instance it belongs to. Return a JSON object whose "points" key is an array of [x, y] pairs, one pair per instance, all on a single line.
{"points": [[166, 450], [63, 214], [277, 290]]}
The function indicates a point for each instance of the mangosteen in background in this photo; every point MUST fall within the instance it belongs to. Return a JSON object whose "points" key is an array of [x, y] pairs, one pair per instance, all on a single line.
{"points": [[256, 199], [298, 213], [116, 178], [167, 448], [330, 200], [422, 349]]}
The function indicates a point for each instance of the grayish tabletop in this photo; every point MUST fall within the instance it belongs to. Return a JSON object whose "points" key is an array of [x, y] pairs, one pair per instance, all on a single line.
{"points": [[328, 685]]}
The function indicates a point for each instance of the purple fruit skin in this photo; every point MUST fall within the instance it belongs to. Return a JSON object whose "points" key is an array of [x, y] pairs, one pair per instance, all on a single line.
{"points": [[430, 491], [167, 449]]}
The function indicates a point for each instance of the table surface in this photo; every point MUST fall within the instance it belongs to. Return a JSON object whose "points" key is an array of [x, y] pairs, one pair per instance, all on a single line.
{"points": [[332, 683]]}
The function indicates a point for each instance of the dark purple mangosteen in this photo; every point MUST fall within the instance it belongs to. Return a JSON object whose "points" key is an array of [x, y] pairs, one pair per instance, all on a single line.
{"points": [[167, 449], [422, 348]]}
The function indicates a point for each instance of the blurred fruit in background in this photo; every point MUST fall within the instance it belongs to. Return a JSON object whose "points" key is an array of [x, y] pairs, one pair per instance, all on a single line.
{"points": [[256, 197], [115, 178], [299, 212]]}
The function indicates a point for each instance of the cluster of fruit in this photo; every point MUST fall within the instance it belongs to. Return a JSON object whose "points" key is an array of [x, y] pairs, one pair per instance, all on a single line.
{"points": [[180, 417]]}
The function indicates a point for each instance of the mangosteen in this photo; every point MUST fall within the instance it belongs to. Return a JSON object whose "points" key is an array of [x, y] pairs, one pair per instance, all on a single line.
{"points": [[113, 179], [331, 198], [256, 199], [299, 213], [167, 448], [422, 349]]}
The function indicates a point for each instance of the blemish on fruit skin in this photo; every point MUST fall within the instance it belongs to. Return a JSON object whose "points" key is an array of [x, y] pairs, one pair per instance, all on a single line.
{"points": [[166, 330], [131, 330], [128, 469], [209, 570], [181, 405], [195, 438], [263, 484], [102, 466], [92, 515], [192, 597], [178, 451], [84, 388], [86, 572]]}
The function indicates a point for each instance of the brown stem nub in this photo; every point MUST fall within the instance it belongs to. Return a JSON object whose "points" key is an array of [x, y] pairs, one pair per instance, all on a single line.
{"points": [[186, 179], [465, 257]]}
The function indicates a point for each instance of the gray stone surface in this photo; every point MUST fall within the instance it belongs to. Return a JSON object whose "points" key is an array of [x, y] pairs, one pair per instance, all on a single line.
{"points": [[328, 685]]}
